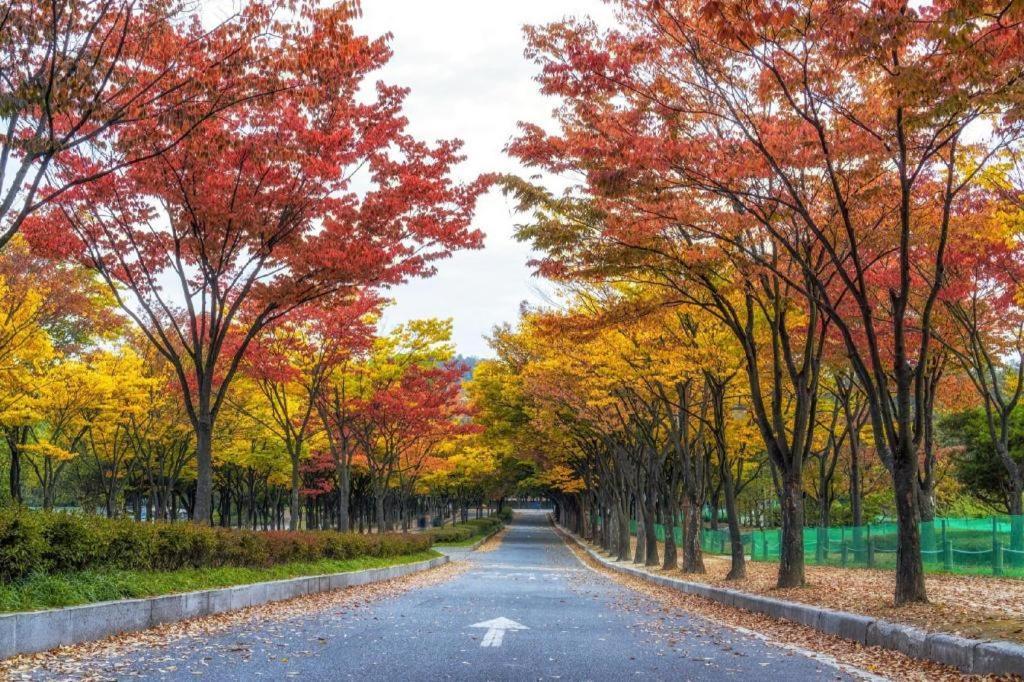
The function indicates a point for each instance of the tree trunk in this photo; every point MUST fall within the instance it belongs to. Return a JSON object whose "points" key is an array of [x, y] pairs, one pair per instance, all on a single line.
{"points": [[671, 559], [738, 567], [791, 550], [378, 500], [909, 570], [344, 486], [202, 511], [622, 530], [650, 533], [641, 538], [693, 556], [293, 502]]}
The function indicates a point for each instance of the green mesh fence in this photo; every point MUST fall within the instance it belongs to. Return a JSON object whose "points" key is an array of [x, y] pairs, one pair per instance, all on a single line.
{"points": [[986, 546]]}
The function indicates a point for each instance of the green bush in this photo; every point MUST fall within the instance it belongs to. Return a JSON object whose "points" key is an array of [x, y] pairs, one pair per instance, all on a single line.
{"points": [[131, 545], [452, 534], [505, 515], [51, 543], [461, 532], [21, 545], [71, 543]]}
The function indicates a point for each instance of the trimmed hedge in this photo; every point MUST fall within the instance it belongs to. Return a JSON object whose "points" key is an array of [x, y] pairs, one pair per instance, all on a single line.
{"points": [[461, 532], [42, 543]]}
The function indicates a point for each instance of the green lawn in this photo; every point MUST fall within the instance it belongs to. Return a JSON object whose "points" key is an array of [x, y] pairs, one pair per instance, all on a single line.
{"points": [[85, 587]]}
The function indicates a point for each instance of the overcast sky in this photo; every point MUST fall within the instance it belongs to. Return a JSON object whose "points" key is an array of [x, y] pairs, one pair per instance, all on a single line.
{"points": [[463, 60]]}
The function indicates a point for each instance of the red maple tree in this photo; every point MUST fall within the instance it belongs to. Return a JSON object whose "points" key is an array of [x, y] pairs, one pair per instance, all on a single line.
{"points": [[312, 195]]}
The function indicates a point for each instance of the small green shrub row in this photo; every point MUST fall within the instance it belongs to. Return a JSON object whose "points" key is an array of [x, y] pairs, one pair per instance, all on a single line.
{"points": [[461, 532], [38, 542], [505, 515]]}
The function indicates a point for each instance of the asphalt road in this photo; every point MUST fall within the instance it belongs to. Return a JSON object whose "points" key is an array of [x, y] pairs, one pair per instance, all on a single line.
{"points": [[577, 625]]}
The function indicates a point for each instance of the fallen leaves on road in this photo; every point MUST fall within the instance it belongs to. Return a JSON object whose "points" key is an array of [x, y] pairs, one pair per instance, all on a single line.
{"points": [[875, 660], [493, 542], [94, 660]]}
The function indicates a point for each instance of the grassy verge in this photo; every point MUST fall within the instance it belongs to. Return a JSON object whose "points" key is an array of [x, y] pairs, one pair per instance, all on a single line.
{"points": [[84, 587], [465, 534], [464, 543]]}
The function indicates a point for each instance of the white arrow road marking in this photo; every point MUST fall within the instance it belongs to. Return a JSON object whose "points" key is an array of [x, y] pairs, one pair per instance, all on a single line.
{"points": [[496, 628]]}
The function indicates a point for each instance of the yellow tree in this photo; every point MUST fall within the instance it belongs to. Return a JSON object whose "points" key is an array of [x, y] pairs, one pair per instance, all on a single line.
{"points": [[82, 408]]}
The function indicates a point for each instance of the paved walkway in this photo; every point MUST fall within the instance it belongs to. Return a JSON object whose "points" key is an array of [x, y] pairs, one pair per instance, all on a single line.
{"points": [[549, 617]]}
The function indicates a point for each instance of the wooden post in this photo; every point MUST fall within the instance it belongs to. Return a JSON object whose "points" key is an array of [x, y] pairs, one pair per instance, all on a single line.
{"points": [[997, 558], [845, 550], [871, 552], [947, 555]]}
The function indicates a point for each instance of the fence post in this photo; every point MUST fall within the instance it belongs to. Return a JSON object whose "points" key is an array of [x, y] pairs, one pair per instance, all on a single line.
{"points": [[943, 532], [764, 545], [997, 558], [721, 542], [871, 552], [947, 555], [845, 550]]}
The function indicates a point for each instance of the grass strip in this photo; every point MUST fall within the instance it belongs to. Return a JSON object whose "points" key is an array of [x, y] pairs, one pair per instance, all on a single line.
{"points": [[468, 541], [41, 591]]}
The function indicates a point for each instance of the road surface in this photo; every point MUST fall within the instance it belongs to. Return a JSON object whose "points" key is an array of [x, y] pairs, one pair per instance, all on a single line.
{"points": [[528, 610]]}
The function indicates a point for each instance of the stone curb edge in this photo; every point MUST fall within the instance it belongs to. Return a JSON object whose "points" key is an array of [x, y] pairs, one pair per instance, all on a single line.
{"points": [[35, 631], [981, 657]]}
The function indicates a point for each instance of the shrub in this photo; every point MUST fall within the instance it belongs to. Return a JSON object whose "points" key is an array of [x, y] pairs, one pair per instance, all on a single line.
{"points": [[21, 545], [131, 545], [184, 545], [72, 543], [37, 542]]}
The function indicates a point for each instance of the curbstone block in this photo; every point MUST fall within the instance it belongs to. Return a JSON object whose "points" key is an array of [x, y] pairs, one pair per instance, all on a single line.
{"points": [[909, 640], [951, 650], [43, 630], [169, 608], [999, 658], [8, 635], [96, 621], [259, 593], [802, 614], [230, 598], [851, 626]]}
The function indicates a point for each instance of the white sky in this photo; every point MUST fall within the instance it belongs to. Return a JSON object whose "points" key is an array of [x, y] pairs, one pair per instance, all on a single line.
{"points": [[463, 60]]}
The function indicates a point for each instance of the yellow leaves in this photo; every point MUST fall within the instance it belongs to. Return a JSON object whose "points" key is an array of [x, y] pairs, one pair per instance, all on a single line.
{"points": [[49, 450], [94, 396]]}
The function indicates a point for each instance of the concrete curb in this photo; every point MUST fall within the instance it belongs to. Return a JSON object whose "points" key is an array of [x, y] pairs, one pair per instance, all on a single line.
{"points": [[980, 657], [34, 631]]}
